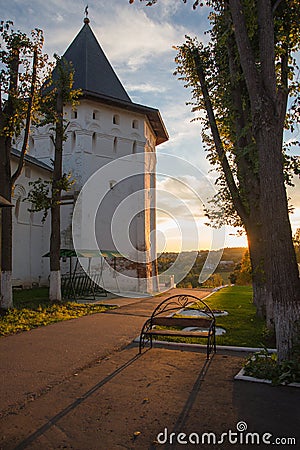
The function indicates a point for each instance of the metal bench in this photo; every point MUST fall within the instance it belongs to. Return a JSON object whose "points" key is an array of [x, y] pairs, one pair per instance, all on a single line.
{"points": [[167, 317]]}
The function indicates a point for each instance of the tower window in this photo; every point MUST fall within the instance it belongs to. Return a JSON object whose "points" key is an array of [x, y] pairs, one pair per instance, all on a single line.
{"points": [[115, 146], [17, 208], [94, 142], [27, 172], [116, 119], [31, 143], [135, 124], [74, 114], [73, 140], [134, 146], [96, 115]]}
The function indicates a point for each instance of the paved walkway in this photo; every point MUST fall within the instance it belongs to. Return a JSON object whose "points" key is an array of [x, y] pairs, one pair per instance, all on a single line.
{"points": [[81, 385]]}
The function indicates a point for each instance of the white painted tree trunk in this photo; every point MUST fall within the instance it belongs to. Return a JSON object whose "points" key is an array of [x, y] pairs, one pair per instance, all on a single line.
{"points": [[287, 325], [55, 286], [6, 290]]}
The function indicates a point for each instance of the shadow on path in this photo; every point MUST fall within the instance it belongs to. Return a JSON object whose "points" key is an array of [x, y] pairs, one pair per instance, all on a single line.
{"points": [[184, 415], [53, 420]]}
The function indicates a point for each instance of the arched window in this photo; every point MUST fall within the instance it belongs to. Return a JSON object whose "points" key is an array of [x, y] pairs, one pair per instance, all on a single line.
{"points": [[96, 114], [51, 144], [134, 147], [115, 146], [17, 207], [19, 194], [135, 124], [73, 140], [31, 144], [27, 172], [94, 142], [116, 119]]}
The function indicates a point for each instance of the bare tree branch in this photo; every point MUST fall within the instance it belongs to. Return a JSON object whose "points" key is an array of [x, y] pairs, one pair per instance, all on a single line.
{"points": [[28, 118], [245, 52], [218, 142]]}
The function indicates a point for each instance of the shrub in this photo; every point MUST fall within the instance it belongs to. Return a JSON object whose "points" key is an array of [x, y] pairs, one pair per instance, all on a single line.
{"points": [[264, 365]]}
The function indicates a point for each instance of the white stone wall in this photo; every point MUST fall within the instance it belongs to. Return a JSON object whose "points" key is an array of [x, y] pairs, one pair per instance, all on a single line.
{"points": [[97, 135], [31, 237]]}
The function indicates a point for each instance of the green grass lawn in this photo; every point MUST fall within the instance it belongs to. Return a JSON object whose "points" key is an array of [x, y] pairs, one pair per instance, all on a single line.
{"points": [[32, 309], [243, 328]]}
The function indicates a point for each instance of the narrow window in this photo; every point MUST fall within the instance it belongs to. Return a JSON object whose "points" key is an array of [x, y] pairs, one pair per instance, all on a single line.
{"points": [[115, 147], [116, 119], [134, 146], [51, 145], [94, 142], [135, 124], [74, 114], [27, 172], [73, 140], [17, 207], [96, 115], [31, 144]]}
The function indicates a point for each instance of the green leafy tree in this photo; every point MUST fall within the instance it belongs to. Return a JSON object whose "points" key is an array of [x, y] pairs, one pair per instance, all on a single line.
{"points": [[47, 195], [22, 71], [253, 43], [276, 27], [216, 77], [214, 280], [242, 274]]}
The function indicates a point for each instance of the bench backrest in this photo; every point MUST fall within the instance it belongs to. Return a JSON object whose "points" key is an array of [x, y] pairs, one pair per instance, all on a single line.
{"points": [[177, 303], [182, 322]]}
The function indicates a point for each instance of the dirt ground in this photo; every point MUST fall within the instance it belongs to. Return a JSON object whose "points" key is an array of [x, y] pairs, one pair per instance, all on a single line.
{"points": [[81, 385], [125, 401]]}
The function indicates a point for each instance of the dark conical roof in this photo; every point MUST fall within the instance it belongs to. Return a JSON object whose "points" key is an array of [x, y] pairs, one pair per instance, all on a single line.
{"points": [[98, 81], [93, 72]]}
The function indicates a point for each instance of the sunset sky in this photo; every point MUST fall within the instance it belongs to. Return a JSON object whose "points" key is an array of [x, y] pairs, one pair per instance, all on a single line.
{"points": [[139, 41]]}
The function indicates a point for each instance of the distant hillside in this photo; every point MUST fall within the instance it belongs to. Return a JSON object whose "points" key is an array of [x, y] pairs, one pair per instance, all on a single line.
{"points": [[230, 257]]}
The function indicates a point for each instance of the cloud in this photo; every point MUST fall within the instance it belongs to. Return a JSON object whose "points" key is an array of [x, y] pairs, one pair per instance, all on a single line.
{"points": [[179, 200], [145, 88], [131, 37]]}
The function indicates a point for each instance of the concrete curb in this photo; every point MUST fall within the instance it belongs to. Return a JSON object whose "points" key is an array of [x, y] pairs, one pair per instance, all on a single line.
{"points": [[242, 377], [219, 347]]}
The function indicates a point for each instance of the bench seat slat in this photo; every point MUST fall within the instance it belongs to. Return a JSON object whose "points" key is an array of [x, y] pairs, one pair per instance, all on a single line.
{"points": [[183, 333], [182, 322]]}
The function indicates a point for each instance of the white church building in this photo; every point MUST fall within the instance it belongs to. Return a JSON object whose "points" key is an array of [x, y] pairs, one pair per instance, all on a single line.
{"points": [[110, 152]]}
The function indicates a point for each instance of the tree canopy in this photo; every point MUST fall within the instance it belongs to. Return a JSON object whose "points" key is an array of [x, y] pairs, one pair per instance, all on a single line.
{"points": [[243, 81]]}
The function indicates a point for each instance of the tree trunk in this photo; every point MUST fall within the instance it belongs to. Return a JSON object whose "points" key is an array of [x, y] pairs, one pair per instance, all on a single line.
{"points": [[6, 259], [55, 275], [262, 298], [6, 299], [249, 215], [282, 275], [268, 109], [55, 278]]}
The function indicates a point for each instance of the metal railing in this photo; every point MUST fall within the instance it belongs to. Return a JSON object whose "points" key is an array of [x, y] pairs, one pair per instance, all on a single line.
{"points": [[82, 285]]}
